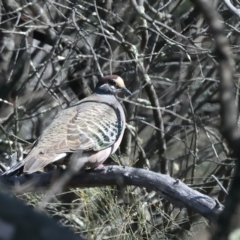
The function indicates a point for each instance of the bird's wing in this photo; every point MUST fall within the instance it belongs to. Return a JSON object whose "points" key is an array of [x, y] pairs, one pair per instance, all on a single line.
{"points": [[90, 126]]}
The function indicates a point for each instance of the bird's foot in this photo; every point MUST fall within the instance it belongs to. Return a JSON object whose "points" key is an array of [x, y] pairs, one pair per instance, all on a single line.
{"points": [[100, 166]]}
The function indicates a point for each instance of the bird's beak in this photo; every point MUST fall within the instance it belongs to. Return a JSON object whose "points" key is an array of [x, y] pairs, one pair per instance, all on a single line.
{"points": [[126, 91]]}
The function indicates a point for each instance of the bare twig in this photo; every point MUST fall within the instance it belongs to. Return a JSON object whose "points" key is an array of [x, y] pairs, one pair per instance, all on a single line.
{"points": [[229, 219], [234, 10]]}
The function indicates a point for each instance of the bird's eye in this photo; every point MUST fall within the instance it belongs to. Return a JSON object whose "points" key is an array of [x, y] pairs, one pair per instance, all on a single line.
{"points": [[112, 83]]}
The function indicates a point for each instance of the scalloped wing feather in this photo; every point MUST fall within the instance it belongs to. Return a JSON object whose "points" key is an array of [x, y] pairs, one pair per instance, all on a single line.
{"points": [[89, 126]]}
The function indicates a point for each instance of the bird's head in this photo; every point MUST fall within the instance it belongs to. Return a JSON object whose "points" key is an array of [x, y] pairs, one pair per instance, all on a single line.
{"points": [[111, 84]]}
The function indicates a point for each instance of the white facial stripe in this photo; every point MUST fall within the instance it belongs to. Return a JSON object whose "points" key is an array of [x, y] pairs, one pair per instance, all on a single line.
{"points": [[119, 81]]}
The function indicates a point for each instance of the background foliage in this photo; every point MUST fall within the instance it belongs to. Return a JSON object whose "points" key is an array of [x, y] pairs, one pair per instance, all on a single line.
{"points": [[52, 53]]}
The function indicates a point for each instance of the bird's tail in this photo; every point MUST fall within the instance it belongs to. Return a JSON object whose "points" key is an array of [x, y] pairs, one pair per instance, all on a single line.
{"points": [[14, 169]]}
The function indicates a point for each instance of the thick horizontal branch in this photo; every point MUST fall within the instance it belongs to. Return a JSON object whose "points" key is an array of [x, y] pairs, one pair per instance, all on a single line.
{"points": [[19, 221], [178, 193]]}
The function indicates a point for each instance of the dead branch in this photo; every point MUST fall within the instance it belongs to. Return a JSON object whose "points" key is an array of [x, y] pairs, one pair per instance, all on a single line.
{"points": [[167, 187]]}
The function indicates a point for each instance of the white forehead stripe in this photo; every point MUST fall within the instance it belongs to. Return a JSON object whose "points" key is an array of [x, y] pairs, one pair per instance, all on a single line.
{"points": [[119, 81]]}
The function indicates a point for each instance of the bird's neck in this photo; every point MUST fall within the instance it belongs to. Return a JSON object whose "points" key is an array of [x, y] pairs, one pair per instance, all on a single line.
{"points": [[104, 90]]}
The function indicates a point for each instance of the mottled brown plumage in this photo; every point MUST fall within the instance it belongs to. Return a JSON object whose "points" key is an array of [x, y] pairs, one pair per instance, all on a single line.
{"points": [[91, 130]]}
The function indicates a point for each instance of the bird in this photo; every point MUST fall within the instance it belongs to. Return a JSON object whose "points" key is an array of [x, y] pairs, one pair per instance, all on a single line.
{"points": [[90, 130]]}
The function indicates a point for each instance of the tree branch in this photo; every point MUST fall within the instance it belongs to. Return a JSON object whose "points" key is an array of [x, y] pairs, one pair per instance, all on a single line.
{"points": [[234, 10], [170, 189], [18, 221], [229, 219]]}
